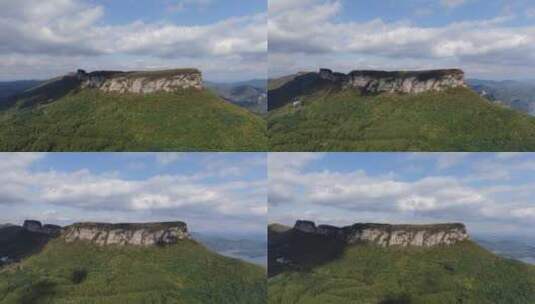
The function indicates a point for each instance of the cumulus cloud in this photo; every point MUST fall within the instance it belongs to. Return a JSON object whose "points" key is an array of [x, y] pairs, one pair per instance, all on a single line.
{"points": [[356, 195], [186, 196], [310, 29], [74, 30]]}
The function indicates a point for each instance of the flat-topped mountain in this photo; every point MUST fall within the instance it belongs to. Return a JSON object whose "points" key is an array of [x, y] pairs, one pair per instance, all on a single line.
{"points": [[140, 234], [167, 110], [390, 111], [81, 266], [386, 235], [382, 263], [141, 82]]}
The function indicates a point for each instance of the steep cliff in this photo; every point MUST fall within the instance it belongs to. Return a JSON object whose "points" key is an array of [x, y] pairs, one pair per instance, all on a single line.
{"points": [[37, 227], [367, 82], [146, 234], [141, 82], [402, 82], [386, 235]]}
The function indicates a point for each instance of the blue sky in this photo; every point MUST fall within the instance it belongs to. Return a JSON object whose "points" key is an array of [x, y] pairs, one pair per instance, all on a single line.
{"points": [[227, 40], [216, 193], [492, 193], [488, 39]]}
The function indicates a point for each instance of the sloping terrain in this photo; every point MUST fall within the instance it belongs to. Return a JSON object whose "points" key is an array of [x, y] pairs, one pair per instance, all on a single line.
{"points": [[81, 272], [251, 95], [316, 269], [325, 118], [518, 95], [59, 116]]}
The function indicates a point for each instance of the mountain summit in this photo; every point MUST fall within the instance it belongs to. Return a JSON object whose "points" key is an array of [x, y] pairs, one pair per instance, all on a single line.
{"points": [[167, 110]]}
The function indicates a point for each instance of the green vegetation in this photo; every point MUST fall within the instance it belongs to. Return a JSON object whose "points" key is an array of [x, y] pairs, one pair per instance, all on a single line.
{"points": [[463, 273], [90, 120], [84, 273], [453, 120]]}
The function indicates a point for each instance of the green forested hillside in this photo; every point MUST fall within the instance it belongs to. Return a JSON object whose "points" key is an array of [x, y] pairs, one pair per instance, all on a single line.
{"points": [[91, 120], [453, 120], [368, 274], [84, 273]]}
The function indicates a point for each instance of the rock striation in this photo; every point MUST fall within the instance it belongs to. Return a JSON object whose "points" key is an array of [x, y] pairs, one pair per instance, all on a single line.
{"points": [[146, 234], [405, 82], [37, 227], [386, 235], [141, 82]]}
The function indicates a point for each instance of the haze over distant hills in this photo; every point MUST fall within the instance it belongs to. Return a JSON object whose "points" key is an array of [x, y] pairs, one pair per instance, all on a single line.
{"points": [[518, 95], [251, 94]]}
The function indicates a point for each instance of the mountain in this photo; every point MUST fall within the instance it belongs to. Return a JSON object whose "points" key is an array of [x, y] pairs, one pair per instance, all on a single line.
{"points": [[509, 247], [18, 242], [130, 263], [310, 266], [135, 111], [390, 111], [250, 250], [11, 88], [518, 95], [251, 94]]}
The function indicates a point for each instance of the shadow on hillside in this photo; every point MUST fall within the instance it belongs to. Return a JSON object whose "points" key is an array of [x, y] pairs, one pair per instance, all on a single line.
{"points": [[304, 84], [44, 93], [298, 251], [18, 243]]}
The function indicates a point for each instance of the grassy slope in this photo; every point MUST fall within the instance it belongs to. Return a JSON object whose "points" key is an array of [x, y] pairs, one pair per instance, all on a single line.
{"points": [[90, 120], [84, 273], [454, 120], [464, 273]]}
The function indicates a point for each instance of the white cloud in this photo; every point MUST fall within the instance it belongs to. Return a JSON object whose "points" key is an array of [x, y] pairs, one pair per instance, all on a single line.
{"points": [[36, 33], [307, 34], [203, 200], [452, 3], [352, 196]]}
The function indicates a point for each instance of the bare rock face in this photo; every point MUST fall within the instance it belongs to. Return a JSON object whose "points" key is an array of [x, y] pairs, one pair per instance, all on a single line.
{"points": [[141, 82], [407, 82], [148, 234], [390, 235]]}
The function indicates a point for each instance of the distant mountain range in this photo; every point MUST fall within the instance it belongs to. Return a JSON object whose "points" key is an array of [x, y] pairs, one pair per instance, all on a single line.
{"points": [[518, 249], [254, 251], [518, 95], [251, 94]]}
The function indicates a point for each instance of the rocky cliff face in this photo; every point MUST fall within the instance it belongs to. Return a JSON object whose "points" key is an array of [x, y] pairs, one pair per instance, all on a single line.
{"points": [[373, 82], [141, 82], [148, 234], [390, 235]]}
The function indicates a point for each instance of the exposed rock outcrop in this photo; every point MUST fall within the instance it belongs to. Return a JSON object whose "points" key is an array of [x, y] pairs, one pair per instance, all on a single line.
{"points": [[386, 235], [146, 234], [407, 82], [141, 82], [37, 227]]}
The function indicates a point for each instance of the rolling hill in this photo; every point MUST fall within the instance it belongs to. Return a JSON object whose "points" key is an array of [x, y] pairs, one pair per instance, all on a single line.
{"points": [[313, 268], [127, 111], [74, 269], [247, 94], [315, 112], [518, 95]]}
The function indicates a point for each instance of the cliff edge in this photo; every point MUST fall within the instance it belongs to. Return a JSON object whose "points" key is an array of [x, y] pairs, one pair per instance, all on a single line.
{"points": [[141, 82], [145, 234], [386, 235]]}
